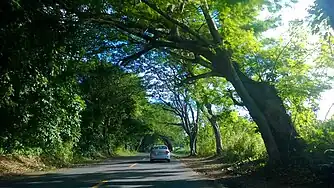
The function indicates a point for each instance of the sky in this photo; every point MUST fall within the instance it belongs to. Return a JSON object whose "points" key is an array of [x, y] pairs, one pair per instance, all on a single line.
{"points": [[299, 11]]}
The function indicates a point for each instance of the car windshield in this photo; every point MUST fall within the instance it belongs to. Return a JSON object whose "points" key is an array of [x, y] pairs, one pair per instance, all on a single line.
{"points": [[160, 147]]}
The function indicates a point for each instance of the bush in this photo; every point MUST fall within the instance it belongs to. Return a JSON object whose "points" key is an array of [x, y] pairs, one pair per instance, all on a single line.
{"points": [[240, 140], [206, 141], [320, 140]]}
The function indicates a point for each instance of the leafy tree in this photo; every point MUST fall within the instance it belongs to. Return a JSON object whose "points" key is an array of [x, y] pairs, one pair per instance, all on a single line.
{"points": [[161, 123], [111, 96], [54, 94], [60, 95], [240, 138], [41, 104], [214, 100], [215, 45], [178, 101]]}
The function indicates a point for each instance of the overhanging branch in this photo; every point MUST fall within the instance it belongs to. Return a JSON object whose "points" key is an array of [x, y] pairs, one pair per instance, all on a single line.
{"points": [[176, 124], [190, 47], [125, 61], [211, 24], [200, 76], [183, 26], [202, 61], [123, 27]]}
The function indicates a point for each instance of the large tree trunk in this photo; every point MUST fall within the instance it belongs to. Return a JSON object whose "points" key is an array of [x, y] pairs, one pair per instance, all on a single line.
{"points": [[271, 105], [192, 144], [219, 144], [213, 121], [140, 143], [266, 108], [167, 142], [223, 66], [106, 136]]}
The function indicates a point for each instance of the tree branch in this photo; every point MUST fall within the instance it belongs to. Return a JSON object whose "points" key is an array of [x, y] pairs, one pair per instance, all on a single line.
{"points": [[208, 107], [173, 109], [190, 47], [211, 24], [200, 76], [197, 114], [176, 124], [202, 61], [123, 27], [182, 25], [126, 60], [328, 111]]}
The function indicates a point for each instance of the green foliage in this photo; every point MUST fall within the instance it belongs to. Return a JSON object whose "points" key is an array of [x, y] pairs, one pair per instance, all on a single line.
{"points": [[61, 100], [39, 99], [320, 139], [240, 139], [49, 92], [109, 118], [121, 151], [161, 122], [206, 141]]}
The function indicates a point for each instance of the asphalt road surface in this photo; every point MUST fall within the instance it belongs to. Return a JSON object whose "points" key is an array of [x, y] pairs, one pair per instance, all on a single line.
{"points": [[127, 172]]}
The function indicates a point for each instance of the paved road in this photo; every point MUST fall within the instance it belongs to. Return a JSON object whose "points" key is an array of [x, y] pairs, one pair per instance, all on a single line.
{"points": [[127, 172]]}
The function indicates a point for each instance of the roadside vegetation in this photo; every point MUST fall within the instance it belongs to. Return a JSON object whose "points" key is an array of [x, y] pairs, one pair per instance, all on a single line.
{"points": [[86, 80]]}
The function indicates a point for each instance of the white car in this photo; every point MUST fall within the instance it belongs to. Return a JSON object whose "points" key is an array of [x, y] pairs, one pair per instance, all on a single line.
{"points": [[160, 152]]}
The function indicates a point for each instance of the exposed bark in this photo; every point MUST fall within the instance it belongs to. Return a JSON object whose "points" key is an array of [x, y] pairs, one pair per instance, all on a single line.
{"points": [[267, 110], [197, 77], [261, 99], [211, 24], [137, 55], [224, 66], [192, 144], [235, 101], [271, 106], [140, 143], [183, 26], [328, 111], [213, 121], [216, 130]]}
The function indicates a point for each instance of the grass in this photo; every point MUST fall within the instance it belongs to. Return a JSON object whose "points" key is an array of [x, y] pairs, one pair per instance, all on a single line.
{"points": [[181, 152], [124, 152]]}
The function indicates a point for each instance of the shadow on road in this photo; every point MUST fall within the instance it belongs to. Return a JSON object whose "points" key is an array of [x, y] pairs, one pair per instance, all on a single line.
{"points": [[145, 162], [146, 176]]}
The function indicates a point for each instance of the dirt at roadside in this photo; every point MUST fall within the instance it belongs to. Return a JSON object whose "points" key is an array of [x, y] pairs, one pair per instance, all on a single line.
{"points": [[16, 165], [251, 175]]}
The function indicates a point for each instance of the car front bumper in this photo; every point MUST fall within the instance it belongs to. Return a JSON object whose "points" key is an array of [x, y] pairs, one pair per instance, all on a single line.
{"points": [[159, 157]]}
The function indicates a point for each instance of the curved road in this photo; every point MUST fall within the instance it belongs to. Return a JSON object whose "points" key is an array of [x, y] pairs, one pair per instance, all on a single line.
{"points": [[127, 172]]}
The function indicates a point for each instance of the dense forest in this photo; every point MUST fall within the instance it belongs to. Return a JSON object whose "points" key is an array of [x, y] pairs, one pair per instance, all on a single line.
{"points": [[81, 78]]}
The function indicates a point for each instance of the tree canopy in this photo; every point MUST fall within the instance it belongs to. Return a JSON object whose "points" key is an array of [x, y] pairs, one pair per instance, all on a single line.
{"points": [[92, 76]]}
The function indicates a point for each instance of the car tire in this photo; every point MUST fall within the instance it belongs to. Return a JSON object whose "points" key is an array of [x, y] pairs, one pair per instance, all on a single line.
{"points": [[151, 161]]}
